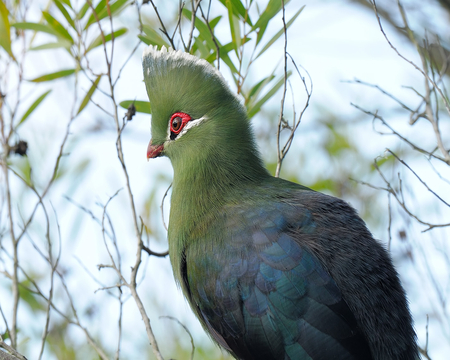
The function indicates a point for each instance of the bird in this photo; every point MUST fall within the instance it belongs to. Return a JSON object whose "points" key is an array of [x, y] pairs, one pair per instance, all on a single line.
{"points": [[272, 269]]}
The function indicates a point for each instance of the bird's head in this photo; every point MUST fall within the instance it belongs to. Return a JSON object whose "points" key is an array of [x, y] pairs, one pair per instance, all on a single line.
{"points": [[192, 106]]}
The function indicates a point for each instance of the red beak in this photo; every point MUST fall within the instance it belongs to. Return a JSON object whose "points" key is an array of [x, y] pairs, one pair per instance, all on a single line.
{"points": [[154, 151]]}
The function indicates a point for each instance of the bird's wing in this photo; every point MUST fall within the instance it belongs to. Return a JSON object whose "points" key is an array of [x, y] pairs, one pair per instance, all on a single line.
{"points": [[263, 295]]}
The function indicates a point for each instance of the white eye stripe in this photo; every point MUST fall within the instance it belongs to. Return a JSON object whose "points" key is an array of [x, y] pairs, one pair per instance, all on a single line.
{"points": [[188, 126]]}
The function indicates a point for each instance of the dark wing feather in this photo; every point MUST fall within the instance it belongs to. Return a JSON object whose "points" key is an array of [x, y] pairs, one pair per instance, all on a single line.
{"points": [[263, 295]]}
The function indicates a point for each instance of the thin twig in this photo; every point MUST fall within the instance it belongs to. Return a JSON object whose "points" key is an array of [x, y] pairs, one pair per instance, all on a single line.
{"points": [[423, 72], [418, 177], [283, 99], [162, 206], [185, 329], [11, 350]]}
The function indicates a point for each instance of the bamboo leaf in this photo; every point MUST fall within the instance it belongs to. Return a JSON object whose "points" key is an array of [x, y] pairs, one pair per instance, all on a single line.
{"points": [[35, 27], [234, 27], [56, 25], [89, 94], [99, 41], [53, 76], [31, 299], [141, 106], [225, 49], [5, 29], [62, 43], [202, 28], [205, 51], [101, 5], [239, 10], [273, 7], [226, 59], [279, 33], [67, 2], [83, 11], [152, 37], [63, 11], [33, 106], [255, 90], [257, 107], [205, 34], [214, 22], [102, 11]]}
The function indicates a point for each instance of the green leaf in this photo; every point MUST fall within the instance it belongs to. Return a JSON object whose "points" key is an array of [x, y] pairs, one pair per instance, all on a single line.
{"points": [[89, 94], [205, 34], [56, 25], [101, 5], [141, 106], [226, 59], [33, 107], [255, 90], [203, 30], [205, 51], [239, 10], [67, 2], [62, 43], [35, 27], [234, 27], [21, 166], [279, 33], [152, 37], [257, 107], [102, 11], [83, 11], [63, 11], [225, 49], [55, 75], [273, 7], [5, 33], [214, 22], [99, 41], [30, 298]]}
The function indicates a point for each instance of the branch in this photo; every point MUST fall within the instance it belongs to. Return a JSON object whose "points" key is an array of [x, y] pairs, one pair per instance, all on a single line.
{"points": [[280, 156]]}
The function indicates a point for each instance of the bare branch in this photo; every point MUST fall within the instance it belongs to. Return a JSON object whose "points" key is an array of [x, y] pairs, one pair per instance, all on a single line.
{"points": [[185, 329], [162, 205], [418, 177], [283, 98], [394, 132], [411, 35], [11, 350]]}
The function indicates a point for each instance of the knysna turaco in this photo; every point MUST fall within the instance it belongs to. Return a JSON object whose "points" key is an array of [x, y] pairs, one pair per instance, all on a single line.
{"points": [[272, 269]]}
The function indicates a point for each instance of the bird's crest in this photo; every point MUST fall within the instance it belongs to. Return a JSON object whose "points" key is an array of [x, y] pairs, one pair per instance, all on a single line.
{"points": [[158, 63]]}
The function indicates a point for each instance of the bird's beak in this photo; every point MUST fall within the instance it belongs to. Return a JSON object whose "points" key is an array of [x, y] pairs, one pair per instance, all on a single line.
{"points": [[154, 151]]}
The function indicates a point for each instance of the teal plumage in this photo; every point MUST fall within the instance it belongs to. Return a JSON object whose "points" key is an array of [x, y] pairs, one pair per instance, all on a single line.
{"points": [[272, 269]]}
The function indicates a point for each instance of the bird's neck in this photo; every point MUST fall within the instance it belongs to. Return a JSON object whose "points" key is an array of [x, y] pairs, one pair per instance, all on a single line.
{"points": [[205, 182], [207, 177]]}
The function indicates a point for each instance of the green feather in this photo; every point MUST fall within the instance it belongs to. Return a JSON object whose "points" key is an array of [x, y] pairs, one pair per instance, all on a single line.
{"points": [[210, 160]]}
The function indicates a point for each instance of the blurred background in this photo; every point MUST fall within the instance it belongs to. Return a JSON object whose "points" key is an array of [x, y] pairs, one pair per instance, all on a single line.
{"points": [[78, 195]]}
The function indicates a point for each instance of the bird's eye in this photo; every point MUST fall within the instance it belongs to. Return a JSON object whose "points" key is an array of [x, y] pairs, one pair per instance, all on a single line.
{"points": [[177, 122]]}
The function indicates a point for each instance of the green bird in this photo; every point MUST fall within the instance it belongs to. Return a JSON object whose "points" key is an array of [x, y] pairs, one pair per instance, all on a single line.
{"points": [[272, 269]]}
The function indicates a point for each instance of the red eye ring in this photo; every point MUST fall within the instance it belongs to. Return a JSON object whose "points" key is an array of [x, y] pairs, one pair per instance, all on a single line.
{"points": [[177, 122]]}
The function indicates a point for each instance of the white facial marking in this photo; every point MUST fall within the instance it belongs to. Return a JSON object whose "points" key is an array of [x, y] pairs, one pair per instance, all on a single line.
{"points": [[188, 126]]}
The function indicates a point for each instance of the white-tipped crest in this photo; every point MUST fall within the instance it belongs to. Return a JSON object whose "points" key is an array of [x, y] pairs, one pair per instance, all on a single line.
{"points": [[152, 56], [157, 61]]}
